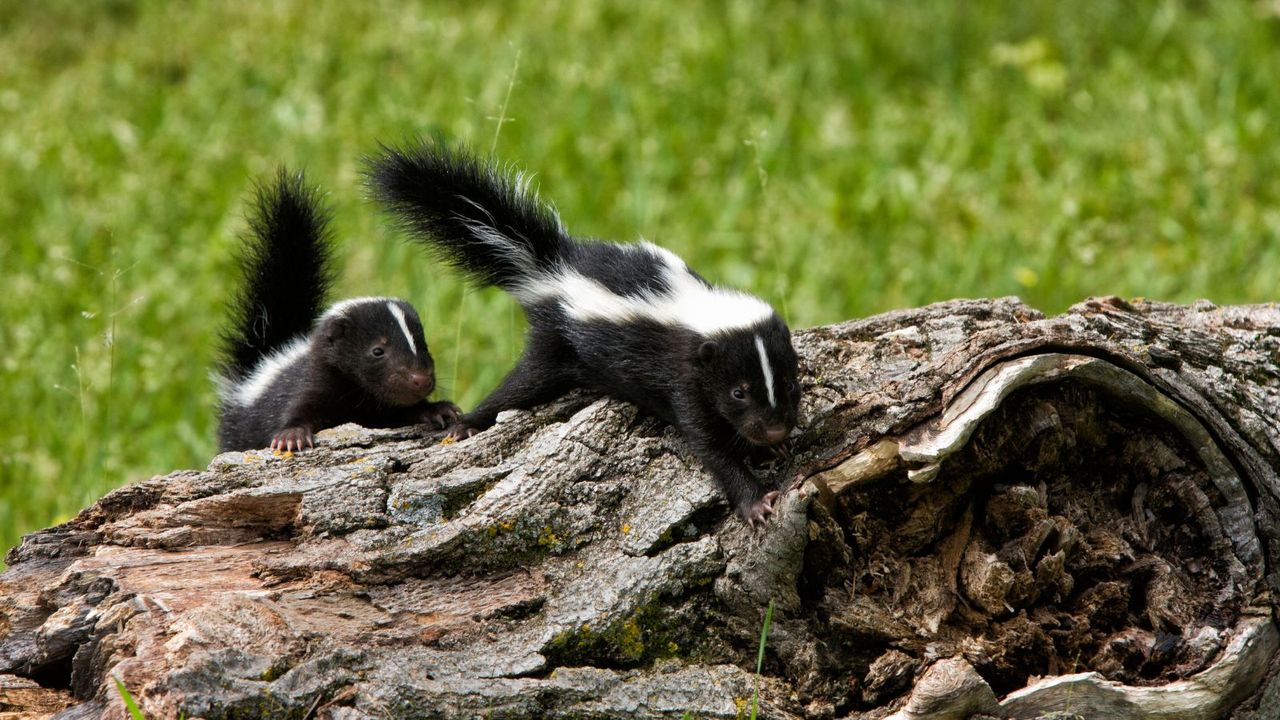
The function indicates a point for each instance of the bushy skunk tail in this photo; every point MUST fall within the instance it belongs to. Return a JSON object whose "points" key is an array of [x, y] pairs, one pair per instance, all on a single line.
{"points": [[482, 221], [287, 268]]}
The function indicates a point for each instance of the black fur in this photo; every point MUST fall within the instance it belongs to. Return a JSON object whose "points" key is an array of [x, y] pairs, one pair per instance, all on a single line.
{"points": [[409, 182], [351, 366], [457, 206], [287, 265]]}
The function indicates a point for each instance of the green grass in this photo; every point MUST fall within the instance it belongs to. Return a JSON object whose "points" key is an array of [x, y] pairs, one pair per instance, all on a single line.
{"points": [[837, 159], [130, 704], [764, 637]]}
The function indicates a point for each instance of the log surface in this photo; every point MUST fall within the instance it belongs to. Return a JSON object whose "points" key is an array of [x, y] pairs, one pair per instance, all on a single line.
{"points": [[989, 512]]}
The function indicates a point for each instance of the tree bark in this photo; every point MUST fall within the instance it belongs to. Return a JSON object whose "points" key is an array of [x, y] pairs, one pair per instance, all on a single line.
{"points": [[989, 513]]}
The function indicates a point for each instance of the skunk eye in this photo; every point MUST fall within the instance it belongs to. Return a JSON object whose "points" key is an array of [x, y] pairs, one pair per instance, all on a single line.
{"points": [[739, 394], [377, 351]]}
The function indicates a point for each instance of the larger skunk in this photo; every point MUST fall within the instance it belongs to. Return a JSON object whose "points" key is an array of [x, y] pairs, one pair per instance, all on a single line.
{"points": [[629, 320], [289, 366]]}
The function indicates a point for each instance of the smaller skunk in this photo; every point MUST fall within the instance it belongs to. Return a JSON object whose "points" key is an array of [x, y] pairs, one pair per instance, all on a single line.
{"points": [[631, 321], [289, 367]]}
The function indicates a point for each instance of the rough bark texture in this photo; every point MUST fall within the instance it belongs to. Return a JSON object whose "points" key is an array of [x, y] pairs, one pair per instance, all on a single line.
{"points": [[990, 513]]}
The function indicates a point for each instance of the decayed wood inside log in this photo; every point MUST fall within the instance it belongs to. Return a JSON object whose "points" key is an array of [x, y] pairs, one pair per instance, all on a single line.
{"points": [[1076, 522], [990, 512]]}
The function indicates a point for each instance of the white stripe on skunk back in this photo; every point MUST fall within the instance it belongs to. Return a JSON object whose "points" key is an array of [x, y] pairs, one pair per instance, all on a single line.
{"points": [[264, 373], [686, 301], [343, 306]]}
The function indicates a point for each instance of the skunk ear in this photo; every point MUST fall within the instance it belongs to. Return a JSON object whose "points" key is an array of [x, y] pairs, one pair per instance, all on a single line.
{"points": [[336, 329], [707, 351]]}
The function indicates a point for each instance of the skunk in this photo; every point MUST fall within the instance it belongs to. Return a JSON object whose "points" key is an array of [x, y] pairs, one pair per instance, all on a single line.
{"points": [[290, 368], [628, 320]]}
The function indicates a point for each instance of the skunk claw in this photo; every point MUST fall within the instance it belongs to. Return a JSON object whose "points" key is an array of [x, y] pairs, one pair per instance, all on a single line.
{"points": [[293, 439], [783, 450], [441, 414], [461, 431], [757, 514]]}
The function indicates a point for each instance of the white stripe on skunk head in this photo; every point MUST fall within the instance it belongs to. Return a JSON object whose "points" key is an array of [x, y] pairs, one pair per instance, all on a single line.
{"points": [[767, 370], [264, 373], [398, 314], [686, 301], [392, 304]]}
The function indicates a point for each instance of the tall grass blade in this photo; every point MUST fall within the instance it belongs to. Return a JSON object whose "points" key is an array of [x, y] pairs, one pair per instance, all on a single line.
{"points": [[129, 704], [764, 636]]}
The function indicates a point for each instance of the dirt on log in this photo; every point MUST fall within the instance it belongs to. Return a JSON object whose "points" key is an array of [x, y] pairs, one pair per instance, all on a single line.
{"points": [[989, 513]]}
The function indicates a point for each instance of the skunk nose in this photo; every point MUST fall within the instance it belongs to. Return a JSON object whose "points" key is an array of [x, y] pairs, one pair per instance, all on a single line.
{"points": [[776, 434], [421, 381]]}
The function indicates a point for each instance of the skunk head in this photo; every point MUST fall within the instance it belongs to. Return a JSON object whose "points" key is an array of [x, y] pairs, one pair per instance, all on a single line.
{"points": [[378, 343], [750, 376]]}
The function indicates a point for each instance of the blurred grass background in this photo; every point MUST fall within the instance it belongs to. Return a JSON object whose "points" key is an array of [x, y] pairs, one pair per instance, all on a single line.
{"points": [[839, 159]]}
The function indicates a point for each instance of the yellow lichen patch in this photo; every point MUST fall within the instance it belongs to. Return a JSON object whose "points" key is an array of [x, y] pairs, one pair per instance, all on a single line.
{"points": [[504, 526], [448, 440], [626, 528], [630, 640]]}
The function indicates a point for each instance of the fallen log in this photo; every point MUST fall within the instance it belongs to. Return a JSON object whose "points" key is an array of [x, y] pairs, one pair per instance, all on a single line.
{"points": [[990, 513]]}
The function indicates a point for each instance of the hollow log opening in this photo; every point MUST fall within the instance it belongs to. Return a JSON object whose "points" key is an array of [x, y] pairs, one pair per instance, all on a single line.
{"points": [[1073, 532]]}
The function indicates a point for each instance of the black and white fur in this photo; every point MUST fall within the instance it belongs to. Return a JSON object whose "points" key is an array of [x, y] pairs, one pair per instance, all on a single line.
{"points": [[629, 320], [290, 367]]}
